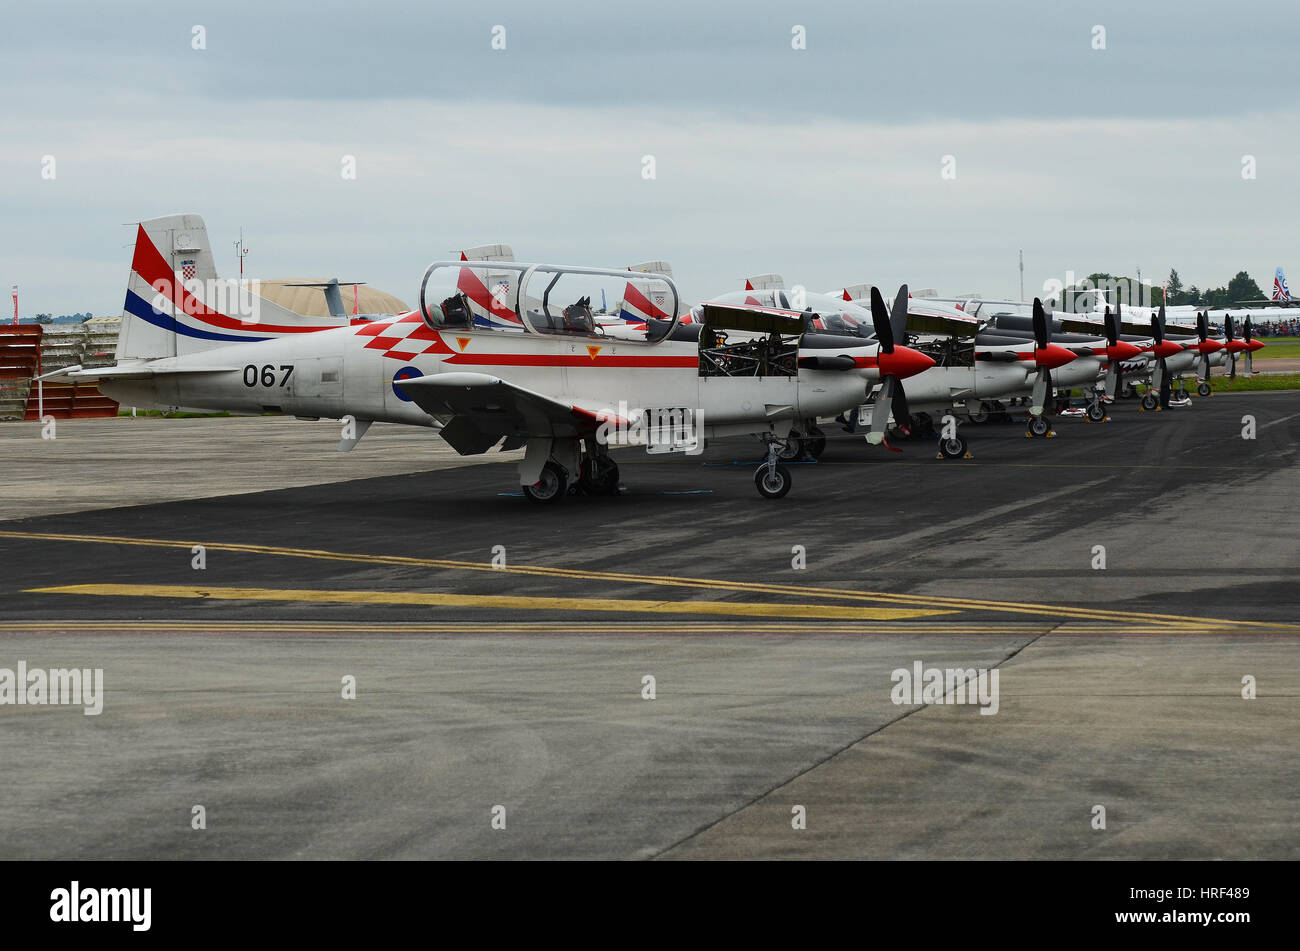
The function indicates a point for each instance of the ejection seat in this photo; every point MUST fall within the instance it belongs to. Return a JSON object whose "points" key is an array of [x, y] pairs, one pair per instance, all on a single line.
{"points": [[456, 312], [578, 317]]}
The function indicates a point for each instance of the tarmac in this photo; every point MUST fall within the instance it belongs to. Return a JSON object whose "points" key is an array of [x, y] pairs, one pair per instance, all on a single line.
{"points": [[522, 684]]}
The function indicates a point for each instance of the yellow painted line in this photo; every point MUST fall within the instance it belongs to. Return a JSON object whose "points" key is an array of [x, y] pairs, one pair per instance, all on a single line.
{"points": [[803, 591], [500, 601], [647, 629], [563, 627]]}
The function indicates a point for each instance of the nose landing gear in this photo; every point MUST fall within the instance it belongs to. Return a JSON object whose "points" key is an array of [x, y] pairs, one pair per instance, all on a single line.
{"points": [[772, 479]]}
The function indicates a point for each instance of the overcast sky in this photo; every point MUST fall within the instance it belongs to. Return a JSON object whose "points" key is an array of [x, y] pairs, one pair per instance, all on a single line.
{"points": [[823, 164]]}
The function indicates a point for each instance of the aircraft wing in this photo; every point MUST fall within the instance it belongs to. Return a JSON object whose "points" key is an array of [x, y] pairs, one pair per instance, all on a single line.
{"points": [[921, 320], [476, 410], [752, 319]]}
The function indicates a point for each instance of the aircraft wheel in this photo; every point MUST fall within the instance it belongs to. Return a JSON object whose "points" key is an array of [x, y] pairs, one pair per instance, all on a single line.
{"points": [[815, 444], [980, 415], [1040, 425], [792, 448], [599, 476], [1150, 401], [550, 486], [772, 482], [1202, 389], [1126, 391], [953, 448], [1096, 412]]}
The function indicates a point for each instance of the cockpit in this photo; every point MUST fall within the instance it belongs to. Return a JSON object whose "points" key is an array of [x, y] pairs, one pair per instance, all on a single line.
{"points": [[546, 299]]}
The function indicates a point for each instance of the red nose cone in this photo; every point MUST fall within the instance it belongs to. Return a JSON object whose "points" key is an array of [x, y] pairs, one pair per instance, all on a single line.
{"points": [[903, 362], [1208, 346], [1052, 356], [1235, 346], [1256, 345], [1123, 350], [1167, 348]]}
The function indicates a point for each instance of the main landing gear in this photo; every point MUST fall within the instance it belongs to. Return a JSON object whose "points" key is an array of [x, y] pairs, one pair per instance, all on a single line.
{"points": [[597, 473], [799, 444], [550, 485]]}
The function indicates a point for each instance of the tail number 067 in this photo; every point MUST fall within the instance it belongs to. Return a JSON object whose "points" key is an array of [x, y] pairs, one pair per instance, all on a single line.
{"points": [[266, 375]]}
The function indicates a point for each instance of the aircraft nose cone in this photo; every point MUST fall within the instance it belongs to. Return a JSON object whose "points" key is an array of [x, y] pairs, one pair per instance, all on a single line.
{"points": [[903, 362], [1235, 346], [1123, 350], [1209, 346], [1167, 348], [1052, 356], [1256, 345]]}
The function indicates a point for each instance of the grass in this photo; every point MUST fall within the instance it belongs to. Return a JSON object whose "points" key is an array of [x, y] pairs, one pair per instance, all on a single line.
{"points": [[1245, 384]]}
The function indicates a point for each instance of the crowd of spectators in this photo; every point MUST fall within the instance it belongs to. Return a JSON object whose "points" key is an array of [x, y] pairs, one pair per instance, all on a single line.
{"points": [[1276, 327]]}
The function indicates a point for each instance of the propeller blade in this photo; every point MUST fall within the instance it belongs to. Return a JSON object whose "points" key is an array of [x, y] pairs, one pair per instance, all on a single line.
{"points": [[1039, 396], [898, 316], [1247, 330], [1040, 324], [1158, 328], [1232, 366], [1112, 327], [1203, 325], [1227, 326], [902, 414], [880, 320], [880, 411]]}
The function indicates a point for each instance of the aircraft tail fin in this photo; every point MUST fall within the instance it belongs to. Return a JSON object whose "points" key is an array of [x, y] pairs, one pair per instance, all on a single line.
{"points": [[177, 305], [1280, 291], [644, 298]]}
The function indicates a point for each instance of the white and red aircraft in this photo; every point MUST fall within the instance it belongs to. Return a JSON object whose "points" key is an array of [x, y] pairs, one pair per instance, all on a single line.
{"points": [[552, 382]]}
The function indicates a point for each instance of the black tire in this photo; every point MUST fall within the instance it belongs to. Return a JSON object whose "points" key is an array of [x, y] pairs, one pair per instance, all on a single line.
{"points": [[953, 448], [772, 482], [1096, 412], [1202, 389], [1150, 400], [980, 415], [550, 486], [1040, 425], [599, 476], [815, 444], [793, 447]]}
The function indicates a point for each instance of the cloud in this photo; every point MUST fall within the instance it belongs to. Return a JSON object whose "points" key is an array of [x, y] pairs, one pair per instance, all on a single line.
{"points": [[822, 164]]}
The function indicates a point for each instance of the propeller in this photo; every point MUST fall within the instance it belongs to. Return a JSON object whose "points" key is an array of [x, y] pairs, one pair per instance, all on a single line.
{"points": [[1112, 368], [1232, 352], [1158, 333], [1043, 382], [1203, 332], [890, 326]]}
